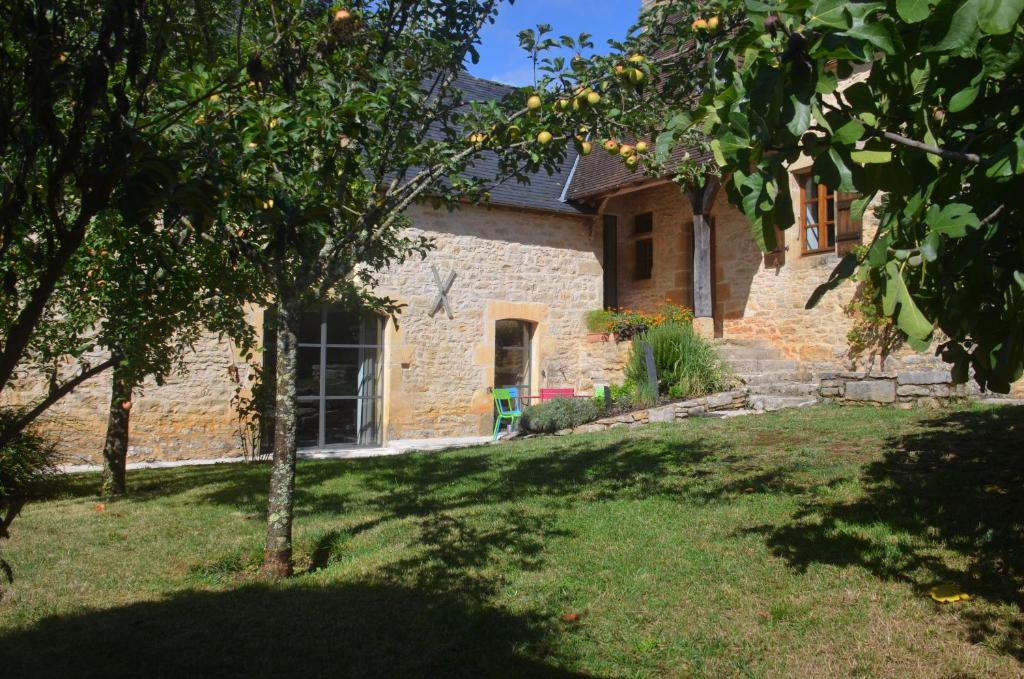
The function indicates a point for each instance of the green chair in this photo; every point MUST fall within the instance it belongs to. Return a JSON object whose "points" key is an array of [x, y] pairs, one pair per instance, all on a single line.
{"points": [[509, 408]]}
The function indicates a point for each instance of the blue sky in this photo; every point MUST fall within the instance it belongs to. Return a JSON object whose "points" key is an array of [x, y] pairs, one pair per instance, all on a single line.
{"points": [[501, 58]]}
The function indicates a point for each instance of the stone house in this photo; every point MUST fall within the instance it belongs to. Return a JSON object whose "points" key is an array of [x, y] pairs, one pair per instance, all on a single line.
{"points": [[517, 278]]}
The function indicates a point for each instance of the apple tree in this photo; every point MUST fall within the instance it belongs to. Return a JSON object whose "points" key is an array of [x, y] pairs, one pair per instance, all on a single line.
{"points": [[341, 119]]}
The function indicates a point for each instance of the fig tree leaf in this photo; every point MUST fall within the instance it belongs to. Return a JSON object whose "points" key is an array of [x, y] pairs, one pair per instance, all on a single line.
{"points": [[999, 16], [913, 11], [951, 220], [870, 157]]}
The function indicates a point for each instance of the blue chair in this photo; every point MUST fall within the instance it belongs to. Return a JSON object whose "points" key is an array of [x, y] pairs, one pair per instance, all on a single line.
{"points": [[509, 408]]}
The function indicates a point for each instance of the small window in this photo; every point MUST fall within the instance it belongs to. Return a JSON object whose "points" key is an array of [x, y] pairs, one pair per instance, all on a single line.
{"points": [[825, 223], [643, 223], [644, 259]]}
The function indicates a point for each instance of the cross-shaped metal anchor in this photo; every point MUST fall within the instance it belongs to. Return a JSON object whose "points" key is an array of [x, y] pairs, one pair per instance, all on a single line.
{"points": [[441, 301]]}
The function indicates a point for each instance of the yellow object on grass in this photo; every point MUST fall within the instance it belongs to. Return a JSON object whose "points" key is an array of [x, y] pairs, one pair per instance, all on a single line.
{"points": [[948, 593]]}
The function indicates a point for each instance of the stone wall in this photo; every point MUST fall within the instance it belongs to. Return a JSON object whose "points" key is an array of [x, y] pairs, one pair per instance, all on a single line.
{"points": [[189, 417], [510, 264], [698, 407], [758, 297], [906, 381], [540, 268], [672, 273]]}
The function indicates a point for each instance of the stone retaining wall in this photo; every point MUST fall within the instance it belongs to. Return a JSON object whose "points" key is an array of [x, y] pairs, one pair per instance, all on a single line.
{"points": [[728, 400]]}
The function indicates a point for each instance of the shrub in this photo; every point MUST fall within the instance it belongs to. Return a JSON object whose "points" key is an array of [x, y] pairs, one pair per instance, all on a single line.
{"points": [[686, 363], [558, 414], [28, 465]]}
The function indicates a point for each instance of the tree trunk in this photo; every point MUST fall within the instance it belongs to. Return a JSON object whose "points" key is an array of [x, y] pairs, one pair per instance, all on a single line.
{"points": [[277, 555], [115, 448]]}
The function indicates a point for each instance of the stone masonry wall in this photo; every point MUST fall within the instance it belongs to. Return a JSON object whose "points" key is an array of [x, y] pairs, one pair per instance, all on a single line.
{"points": [[540, 268], [189, 417], [510, 264], [672, 273]]}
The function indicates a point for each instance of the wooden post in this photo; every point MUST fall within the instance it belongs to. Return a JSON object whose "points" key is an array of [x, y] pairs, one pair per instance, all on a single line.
{"points": [[702, 301], [701, 199]]}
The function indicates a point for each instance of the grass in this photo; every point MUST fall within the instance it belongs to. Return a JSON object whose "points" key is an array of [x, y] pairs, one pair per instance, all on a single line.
{"points": [[800, 543]]}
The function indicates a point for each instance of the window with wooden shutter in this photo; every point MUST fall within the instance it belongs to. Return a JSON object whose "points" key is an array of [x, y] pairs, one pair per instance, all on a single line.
{"points": [[825, 219]]}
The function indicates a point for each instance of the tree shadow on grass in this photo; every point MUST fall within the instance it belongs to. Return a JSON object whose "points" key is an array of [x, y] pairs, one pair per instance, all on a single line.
{"points": [[298, 630], [956, 484]]}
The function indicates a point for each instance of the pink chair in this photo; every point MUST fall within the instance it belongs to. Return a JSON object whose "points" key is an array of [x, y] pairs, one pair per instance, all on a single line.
{"points": [[549, 394]]}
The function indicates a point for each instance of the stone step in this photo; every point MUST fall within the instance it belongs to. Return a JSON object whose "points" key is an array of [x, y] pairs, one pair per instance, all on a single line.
{"points": [[747, 366], [784, 389], [770, 403], [749, 350], [758, 379]]}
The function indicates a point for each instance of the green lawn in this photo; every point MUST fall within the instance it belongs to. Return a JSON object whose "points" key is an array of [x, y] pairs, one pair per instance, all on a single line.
{"points": [[795, 544]]}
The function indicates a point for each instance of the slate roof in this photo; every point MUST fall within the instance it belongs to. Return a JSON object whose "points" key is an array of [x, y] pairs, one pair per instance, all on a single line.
{"points": [[544, 192]]}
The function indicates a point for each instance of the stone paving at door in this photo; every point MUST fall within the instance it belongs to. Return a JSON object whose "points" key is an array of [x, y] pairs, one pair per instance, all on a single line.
{"points": [[398, 447]]}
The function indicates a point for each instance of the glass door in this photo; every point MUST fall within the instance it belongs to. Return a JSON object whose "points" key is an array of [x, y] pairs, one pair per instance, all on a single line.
{"points": [[512, 358], [338, 385]]}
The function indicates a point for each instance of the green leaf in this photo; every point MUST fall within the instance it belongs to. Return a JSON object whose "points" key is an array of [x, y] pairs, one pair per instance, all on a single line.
{"points": [[963, 28], [869, 157], [832, 170], [877, 34], [800, 116], [1019, 277], [919, 345], [913, 11], [828, 13], [963, 99], [930, 246], [999, 16], [952, 220], [850, 133], [716, 151], [908, 317]]}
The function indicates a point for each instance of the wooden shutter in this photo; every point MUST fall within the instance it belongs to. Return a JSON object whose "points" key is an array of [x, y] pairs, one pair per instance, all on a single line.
{"points": [[848, 232]]}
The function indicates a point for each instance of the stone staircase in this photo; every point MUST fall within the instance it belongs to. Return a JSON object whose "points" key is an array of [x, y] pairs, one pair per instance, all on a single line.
{"points": [[772, 382]]}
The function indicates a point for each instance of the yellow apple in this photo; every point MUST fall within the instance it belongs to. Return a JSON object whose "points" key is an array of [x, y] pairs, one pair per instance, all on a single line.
{"points": [[533, 103], [631, 162], [586, 147], [699, 25], [641, 147], [342, 15], [544, 138], [611, 146], [637, 59], [636, 76], [593, 98], [713, 24], [625, 150]]}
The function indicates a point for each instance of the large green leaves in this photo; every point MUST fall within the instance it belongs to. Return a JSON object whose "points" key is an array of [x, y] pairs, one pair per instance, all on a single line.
{"points": [[898, 303], [913, 11], [1000, 16]]}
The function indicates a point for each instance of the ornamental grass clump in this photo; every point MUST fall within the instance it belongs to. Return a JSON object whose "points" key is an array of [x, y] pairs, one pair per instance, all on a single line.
{"points": [[559, 414], [687, 365]]}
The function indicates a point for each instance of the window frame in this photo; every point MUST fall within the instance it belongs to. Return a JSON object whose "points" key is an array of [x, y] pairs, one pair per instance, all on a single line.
{"points": [[820, 200], [647, 217]]}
